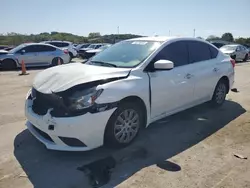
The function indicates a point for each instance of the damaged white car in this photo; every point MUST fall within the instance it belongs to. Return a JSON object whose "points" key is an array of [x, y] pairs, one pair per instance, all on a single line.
{"points": [[78, 107]]}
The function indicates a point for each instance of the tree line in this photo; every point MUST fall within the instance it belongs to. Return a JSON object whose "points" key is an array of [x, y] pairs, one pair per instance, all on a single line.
{"points": [[229, 38], [95, 37]]}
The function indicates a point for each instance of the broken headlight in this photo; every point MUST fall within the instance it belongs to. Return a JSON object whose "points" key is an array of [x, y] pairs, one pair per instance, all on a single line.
{"points": [[80, 100]]}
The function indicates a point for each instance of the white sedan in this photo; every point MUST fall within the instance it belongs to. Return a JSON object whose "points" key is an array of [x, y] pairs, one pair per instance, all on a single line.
{"points": [[108, 100]]}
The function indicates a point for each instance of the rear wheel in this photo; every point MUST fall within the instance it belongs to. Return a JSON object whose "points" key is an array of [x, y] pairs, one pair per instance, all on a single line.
{"points": [[9, 64], [55, 61], [71, 56], [220, 93], [246, 57], [124, 125]]}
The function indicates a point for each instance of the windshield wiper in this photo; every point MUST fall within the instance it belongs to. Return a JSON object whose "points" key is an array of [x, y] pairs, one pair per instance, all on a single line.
{"points": [[104, 63]]}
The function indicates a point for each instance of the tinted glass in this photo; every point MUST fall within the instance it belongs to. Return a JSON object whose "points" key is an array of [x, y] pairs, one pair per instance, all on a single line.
{"points": [[97, 46], [218, 45], [31, 48], [45, 48], [198, 51], [85, 46], [92, 46], [214, 52], [176, 52], [126, 53], [59, 44]]}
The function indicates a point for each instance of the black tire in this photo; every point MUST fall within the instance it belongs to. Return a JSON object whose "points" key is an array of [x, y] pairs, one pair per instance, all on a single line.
{"points": [[71, 56], [220, 93], [9, 64], [110, 138], [233, 57], [246, 57], [55, 61]]}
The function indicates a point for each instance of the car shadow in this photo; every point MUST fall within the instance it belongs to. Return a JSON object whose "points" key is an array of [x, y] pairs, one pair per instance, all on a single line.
{"points": [[154, 146]]}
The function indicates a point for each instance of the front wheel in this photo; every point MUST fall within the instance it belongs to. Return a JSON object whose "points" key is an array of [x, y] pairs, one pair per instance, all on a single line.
{"points": [[9, 64], [220, 93], [124, 125]]}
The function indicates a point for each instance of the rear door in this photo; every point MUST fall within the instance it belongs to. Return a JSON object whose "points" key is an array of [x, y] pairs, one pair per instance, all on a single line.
{"points": [[206, 69], [46, 54], [171, 90]]}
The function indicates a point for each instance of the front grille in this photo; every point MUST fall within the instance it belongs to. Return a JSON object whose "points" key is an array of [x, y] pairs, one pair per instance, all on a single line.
{"points": [[43, 102], [43, 134], [72, 142]]}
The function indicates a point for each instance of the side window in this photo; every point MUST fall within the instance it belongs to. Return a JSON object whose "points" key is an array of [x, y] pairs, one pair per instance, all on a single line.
{"points": [[97, 46], [45, 48], [213, 51], [54, 44], [242, 48], [176, 52], [64, 44], [198, 51], [29, 49]]}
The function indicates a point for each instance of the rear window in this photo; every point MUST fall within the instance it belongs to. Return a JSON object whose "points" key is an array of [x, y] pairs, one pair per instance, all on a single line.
{"points": [[198, 51], [214, 52]]}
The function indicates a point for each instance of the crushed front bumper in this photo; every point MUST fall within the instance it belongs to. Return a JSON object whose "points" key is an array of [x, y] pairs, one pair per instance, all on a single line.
{"points": [[79, 133]]}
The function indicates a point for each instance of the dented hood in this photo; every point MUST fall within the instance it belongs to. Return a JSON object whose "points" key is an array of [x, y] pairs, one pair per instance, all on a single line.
{"points": [[63, 77]]}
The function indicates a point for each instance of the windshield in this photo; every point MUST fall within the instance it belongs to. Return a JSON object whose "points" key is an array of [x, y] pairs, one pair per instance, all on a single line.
{"points": [[84, 45], [92, 46], [14, 50], [126, 53], [227, 47], [104, 47]]}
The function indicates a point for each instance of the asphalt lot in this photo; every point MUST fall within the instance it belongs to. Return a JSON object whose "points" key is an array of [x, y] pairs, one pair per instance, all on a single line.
{"points": [[194, 148]]}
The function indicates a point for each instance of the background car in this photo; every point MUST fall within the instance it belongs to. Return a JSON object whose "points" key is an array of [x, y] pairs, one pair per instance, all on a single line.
{"points": [[33, 54], [64, 45], [7, 48], [236, 51], [90, 53], [90, 47], [80, 46]]}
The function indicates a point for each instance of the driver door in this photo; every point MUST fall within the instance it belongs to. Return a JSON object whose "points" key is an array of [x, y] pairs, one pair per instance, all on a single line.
{"points": [[29, 55], [172, 90]]}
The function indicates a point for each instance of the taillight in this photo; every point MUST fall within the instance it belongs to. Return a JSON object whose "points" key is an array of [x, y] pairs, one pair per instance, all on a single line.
{"points": [[66, 51], [233, 62]]}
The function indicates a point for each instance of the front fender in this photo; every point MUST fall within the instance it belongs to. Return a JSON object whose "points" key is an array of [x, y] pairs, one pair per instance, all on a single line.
{"points": [[136, 84]]}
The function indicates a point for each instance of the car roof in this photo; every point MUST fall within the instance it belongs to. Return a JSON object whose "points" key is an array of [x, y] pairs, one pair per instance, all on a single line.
{"points": [[165, 39], [45, 44], [57, 41]]}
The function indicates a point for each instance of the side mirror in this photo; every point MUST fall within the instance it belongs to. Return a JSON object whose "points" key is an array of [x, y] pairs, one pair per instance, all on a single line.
{"points": [[163, 65], [23, 52]]}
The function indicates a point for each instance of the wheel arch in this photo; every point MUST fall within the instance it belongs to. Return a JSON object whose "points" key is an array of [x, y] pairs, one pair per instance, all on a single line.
{"points": [[15, 60], [11, 59], [137, 101], [226, 81]]}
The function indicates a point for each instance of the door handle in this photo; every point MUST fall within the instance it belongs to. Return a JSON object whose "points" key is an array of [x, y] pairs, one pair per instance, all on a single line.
{"points": [[188, 76], [215, 69]]}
